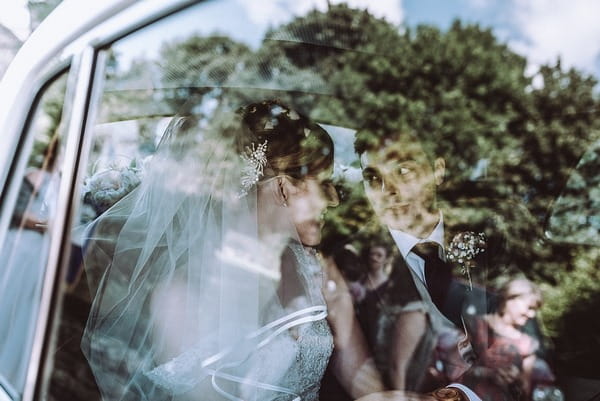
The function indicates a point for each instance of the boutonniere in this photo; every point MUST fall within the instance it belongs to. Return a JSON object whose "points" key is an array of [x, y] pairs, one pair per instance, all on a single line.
{"points": [[463, 249]]}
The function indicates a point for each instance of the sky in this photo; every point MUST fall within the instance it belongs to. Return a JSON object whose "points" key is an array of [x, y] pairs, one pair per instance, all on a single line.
{"points": [[14, 16], [542, 30]]}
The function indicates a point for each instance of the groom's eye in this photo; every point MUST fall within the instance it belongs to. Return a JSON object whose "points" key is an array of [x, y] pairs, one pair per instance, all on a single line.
{"points": [[403, 170], [372, 178], [408, 167]]}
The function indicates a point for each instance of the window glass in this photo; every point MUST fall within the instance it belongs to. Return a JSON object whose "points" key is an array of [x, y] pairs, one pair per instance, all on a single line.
{"points": [[576, 214], [25, 251], [249, 175]]}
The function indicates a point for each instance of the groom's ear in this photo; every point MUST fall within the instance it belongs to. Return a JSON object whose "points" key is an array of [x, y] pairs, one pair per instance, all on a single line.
{"points": [[439, 170]]}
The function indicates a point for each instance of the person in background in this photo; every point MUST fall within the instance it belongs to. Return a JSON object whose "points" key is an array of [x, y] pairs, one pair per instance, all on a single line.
{"points": [[508, 367], [374, 282], [352, 267], [377, 263]]}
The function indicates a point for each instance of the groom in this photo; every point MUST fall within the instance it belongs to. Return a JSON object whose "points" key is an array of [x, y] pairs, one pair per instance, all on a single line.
{"points": [[419, 333]]}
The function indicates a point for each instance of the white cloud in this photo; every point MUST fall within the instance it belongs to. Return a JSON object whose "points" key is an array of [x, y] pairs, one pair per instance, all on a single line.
{"points": [[554, 27], [15, 17], [277, 12], [481, 4]]}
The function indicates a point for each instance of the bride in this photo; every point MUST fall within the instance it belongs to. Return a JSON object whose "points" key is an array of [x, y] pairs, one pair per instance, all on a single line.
{"points": [[212, 288]]}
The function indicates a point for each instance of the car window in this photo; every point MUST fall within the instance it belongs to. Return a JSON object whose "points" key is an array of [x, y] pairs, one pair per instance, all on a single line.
{"points": [[576, 214], [438, 139], [25, 251]]}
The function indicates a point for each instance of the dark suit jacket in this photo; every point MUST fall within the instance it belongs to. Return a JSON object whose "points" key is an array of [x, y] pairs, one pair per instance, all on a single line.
{"points": [[404, 292]]}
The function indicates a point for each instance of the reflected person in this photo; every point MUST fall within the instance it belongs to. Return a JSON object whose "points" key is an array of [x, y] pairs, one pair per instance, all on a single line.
{"points": [[23, 259], [508, 366]]}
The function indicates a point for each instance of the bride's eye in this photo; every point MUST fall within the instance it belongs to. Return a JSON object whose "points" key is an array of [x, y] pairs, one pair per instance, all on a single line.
{"points": [[328, 189]]}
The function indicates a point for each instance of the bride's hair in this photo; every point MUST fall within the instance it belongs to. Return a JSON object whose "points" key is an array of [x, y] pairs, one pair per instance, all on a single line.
{"points": [[296, 146]]}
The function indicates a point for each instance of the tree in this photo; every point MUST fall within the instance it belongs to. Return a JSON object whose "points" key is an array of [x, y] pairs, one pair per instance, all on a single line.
{"points": [[197, 66]]}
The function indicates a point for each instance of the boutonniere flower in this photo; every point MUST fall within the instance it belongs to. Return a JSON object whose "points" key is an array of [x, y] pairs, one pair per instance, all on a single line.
{"points": [[463, 249]]}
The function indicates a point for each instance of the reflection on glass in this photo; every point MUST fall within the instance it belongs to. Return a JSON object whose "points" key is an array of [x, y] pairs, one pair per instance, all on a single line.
{"points": [[576, 214], [475, 178], [25, 250]]}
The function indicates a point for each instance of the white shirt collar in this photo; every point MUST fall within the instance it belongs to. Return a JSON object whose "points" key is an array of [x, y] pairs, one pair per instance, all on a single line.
{"points": [[406, 242]]}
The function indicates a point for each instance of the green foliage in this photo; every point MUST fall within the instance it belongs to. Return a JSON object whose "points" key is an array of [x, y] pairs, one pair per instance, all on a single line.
{"points": [[570, 313], [576, 213], [40, 9], [563, 121], [197, 65]]}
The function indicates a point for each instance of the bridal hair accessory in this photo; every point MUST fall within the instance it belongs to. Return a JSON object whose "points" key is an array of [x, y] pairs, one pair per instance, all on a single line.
{"points": [[463, 249], [255, 160]]}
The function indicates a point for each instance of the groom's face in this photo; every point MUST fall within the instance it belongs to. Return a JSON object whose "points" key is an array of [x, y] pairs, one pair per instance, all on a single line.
{"points": [[401, 182]]}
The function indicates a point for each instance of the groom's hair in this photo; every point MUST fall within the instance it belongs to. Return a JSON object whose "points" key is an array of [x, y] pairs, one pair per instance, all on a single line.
{"points": [[371, 140]]}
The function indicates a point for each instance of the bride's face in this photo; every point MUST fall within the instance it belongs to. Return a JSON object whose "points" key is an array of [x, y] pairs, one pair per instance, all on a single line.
{"points": [[307, 201]]}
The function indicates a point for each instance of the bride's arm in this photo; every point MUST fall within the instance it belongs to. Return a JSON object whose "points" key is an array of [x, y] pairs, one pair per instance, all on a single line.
{"points": [[351, 360]]}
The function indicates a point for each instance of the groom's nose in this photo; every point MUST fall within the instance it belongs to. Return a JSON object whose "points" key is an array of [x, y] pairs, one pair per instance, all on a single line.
{"points": [[388, 186]]}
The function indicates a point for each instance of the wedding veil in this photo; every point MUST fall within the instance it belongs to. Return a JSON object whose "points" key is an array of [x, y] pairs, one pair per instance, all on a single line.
{"points": [[191, 285]]}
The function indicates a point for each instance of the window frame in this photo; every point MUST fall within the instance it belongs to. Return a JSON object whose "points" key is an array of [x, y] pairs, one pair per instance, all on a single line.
{"points": [[78, 86], [86, 80], [16, 171]]}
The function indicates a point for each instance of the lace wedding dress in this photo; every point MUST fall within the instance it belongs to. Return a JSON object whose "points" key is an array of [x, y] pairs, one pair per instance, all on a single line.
{"points": [[289, 367]]}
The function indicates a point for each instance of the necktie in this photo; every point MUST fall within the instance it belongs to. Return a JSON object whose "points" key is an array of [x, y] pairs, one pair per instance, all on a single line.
{"points": [[438, 274]]}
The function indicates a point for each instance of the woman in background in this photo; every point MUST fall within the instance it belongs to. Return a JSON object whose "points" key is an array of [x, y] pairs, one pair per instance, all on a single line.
{"points": [[505, 369]]}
